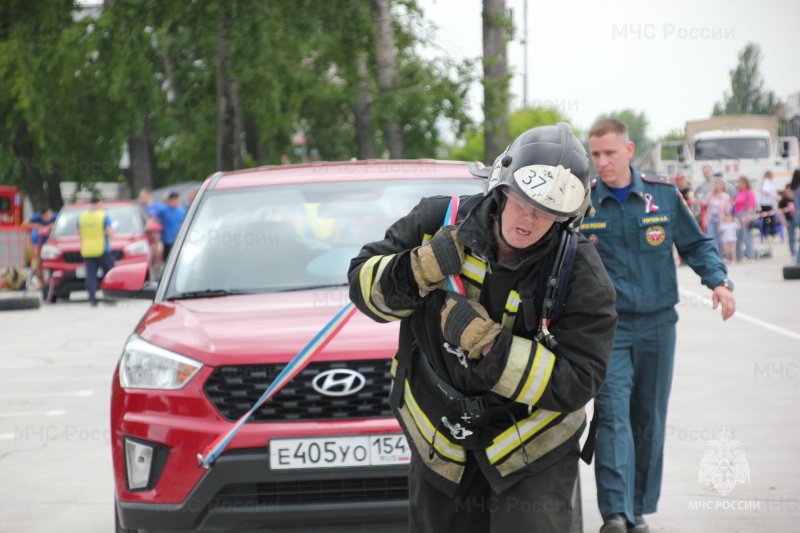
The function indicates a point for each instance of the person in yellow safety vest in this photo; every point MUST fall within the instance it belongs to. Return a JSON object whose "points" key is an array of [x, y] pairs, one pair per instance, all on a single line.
{"points": [[95, 228], [492, 411]]}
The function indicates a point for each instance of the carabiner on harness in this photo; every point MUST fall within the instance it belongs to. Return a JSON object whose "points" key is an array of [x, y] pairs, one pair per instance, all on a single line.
{"points": [[457, 430], [458, 352]]}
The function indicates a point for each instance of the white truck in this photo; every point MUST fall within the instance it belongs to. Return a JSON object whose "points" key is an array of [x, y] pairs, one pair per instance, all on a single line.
{"points": [[733, 146]]}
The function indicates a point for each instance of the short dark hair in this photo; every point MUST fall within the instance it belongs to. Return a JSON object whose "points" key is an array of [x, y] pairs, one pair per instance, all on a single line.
{"points": [[172, 195], [608, 125]]}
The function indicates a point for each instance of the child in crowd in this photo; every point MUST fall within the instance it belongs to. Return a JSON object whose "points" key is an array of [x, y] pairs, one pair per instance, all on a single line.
{"points": [[728, 230]]}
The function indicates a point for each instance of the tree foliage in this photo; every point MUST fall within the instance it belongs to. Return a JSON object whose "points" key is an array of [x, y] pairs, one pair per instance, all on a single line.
{"points": [[519, 121], [637, 123], [72, 92], [748, 95]]}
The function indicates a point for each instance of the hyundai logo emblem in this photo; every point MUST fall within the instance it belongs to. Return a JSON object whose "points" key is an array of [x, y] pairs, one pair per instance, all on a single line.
{"points": [[339, 382]]}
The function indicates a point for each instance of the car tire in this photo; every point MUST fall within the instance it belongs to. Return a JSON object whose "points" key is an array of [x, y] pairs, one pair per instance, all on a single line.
{"points": [[577, 508], [13, 304], [791, 272]]}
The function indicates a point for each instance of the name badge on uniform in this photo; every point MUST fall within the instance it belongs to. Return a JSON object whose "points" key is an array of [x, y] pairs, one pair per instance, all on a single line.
{"points": [[594, 226], [649, 220]]}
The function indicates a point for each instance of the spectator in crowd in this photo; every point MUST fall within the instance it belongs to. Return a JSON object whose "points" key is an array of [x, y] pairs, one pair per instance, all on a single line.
{"points": [[718, 203], [795, 185], [42, 220], [786, 214], [705, 188], [151, 210], [95, 229], [744, 209], [683, 185], [171, 216], [728, 228], [768, 202]]}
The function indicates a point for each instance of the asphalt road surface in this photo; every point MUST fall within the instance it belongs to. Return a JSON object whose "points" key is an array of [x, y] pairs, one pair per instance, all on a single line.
{"points": [[736, 383]]}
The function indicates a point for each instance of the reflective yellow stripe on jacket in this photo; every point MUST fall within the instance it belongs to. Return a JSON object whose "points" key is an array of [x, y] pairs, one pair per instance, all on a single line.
{"points": [[369, 281], [527, 373]]}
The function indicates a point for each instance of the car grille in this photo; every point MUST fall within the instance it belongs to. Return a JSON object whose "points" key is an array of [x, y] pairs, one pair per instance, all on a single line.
{"points": [[312, 492], [234, 389], [76, 257]]}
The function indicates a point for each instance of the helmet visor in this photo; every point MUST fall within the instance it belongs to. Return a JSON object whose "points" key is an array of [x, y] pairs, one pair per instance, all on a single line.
{"points": [[529, 207]]}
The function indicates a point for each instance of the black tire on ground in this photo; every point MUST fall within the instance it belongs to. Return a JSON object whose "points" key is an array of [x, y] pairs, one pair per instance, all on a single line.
{"points": [[11, 304], [577, 509], [791, 272]]}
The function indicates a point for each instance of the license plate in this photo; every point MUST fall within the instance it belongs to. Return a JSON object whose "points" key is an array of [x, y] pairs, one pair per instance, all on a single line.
{"points": [[80, 272], [336, 452]]}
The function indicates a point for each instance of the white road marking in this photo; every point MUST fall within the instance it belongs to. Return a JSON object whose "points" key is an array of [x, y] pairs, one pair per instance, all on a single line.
{"points": [[26, 395], [744, 316], [54, 412], [52, 379]]}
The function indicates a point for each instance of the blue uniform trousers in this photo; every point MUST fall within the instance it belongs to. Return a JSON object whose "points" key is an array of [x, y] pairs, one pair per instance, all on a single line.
{"points": [[93, 264], [632, 412]]}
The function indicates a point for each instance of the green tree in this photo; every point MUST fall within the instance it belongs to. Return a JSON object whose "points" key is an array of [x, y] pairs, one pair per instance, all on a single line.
{"points": [[747, 95], [55, 122], [638, 125], [520, 121]]}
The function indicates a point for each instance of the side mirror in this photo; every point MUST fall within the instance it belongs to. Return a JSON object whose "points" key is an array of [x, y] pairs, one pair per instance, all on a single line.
{"points": [[785, 149], [681, 153], [43, 232], [129, 282]]}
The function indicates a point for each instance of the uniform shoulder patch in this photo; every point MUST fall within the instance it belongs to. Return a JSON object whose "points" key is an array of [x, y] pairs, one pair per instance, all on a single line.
{"points": [[594, 182], [654, 178]]}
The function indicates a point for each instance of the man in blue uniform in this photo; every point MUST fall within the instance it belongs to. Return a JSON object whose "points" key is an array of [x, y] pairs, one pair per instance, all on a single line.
{"points": [[638, 219]]}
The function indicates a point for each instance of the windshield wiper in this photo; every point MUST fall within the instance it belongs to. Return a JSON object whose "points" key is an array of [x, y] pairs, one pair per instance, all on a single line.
{"points": [[206, 293], [314, 287]]}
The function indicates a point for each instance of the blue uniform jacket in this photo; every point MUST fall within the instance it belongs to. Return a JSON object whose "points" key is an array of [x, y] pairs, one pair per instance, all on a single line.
{"points": [[635, 239]]}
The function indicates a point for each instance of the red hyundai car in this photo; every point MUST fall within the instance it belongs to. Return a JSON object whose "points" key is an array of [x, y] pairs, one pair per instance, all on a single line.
{"points": [[62, 269], [258, 268]]}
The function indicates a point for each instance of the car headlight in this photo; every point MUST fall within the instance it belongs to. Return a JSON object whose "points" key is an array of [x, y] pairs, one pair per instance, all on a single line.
{"points": [[50, 252], [137, 248], [147, 366]]}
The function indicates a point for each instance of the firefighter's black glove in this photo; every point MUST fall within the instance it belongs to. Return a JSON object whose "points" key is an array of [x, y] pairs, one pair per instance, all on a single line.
{"points": [[432, 262], [465, 323]]}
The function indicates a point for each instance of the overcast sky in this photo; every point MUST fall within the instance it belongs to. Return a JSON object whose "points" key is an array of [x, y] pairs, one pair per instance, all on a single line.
{"points": [[670, 59]]}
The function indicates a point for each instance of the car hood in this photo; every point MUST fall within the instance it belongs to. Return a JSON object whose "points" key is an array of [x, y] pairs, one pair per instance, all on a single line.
{"points": [[263, 328]]}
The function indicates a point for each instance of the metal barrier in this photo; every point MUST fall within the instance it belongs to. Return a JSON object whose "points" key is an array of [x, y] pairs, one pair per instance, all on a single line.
{"points": [[13, 246]]}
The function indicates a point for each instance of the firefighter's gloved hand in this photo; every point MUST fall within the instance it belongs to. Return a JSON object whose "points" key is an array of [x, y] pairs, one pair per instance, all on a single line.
{"points": [[466, 323], [442, 256]]}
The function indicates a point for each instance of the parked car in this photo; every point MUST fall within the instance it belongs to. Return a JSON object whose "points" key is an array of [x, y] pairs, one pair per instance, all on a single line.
{"points": [[62, 265], [259, 267]]}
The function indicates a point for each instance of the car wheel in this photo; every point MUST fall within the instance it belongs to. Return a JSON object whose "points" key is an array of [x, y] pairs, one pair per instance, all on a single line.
{"points": [[791, 272], [12, 304]]}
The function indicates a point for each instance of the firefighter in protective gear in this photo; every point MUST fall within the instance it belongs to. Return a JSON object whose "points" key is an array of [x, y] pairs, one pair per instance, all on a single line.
{"points": [[493, 416]]}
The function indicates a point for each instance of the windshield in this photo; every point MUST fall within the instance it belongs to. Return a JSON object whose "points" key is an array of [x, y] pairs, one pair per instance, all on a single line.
{"points": [[125, 218], [292, 237], [742, 148]]}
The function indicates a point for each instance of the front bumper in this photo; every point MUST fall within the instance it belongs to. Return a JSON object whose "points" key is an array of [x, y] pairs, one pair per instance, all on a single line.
{"points": [[240, 492]]}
